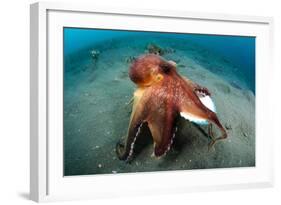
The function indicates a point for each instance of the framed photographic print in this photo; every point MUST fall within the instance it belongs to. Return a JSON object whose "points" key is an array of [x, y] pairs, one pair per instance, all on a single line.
{"points": [[127, 101]]}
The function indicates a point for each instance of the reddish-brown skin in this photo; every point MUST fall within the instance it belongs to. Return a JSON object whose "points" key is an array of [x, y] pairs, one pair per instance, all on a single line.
{"points": [[161, 95]]}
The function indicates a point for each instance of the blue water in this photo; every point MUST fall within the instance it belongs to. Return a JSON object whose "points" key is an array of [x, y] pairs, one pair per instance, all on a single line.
{"points": [[238, 50]]}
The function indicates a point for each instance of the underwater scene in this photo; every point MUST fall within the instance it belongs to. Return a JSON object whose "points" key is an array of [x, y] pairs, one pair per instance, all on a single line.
{"points": [[142, 101]]}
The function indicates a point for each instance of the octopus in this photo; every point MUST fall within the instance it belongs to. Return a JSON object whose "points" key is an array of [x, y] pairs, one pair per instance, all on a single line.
{"points": [[162, 95]]}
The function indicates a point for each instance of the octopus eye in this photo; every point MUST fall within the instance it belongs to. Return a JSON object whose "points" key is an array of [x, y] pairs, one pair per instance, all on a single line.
{"points": [[166, 68]]}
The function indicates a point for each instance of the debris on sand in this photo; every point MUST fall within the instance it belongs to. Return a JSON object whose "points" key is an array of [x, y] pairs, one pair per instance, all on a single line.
{"points": [[124, 74], [228, 126], [130, 59], [157, 50], [245, 134], [235, 85], [94, 54]]}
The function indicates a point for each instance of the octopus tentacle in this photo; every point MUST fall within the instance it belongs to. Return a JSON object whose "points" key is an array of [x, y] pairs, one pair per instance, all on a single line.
{"points": [[163, 133], [202, 92], [214, 119], [198, 89], [162, 116], [198, 112], [125, 151], [171, 141]]}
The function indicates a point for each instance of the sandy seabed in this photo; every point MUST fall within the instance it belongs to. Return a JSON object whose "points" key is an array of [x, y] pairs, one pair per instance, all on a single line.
{"points": [[96, 110]]}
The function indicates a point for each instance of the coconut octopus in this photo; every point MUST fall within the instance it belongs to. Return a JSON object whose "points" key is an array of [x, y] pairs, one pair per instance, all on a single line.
{"points": [[161, 96]]}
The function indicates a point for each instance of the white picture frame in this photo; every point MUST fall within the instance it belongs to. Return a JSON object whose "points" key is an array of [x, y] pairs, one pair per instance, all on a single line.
{"points": [[47, 182]]}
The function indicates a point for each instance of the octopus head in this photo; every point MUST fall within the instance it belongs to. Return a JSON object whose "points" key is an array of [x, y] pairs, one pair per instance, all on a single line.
{"points": [[150, 69]]}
